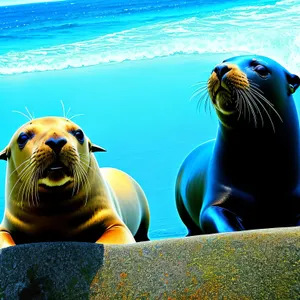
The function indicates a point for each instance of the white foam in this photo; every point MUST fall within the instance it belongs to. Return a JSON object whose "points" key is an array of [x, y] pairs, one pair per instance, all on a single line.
{"points": [[269, 30]]}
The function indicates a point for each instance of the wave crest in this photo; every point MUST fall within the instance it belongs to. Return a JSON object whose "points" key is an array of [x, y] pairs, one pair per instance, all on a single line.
{"points": [[270, 30]]}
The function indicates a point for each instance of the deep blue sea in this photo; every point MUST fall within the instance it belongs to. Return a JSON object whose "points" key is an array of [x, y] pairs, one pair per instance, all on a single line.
{"points": [[130, 67]]}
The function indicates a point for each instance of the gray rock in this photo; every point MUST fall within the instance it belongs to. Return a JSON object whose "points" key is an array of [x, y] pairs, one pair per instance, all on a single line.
{"points": [[261, 264]]}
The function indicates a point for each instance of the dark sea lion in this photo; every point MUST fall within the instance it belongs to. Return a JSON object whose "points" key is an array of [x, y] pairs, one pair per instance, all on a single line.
{"points": [[55, 190], [248, 178]]}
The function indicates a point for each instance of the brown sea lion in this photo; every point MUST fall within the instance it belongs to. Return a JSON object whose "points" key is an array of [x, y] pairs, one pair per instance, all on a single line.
{"points": [[249, 177], [55, 190]]}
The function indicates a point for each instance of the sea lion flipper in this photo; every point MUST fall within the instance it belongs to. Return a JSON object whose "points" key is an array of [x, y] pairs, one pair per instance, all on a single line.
{"points": [[6, 240], [219, 219], [117, 234]]}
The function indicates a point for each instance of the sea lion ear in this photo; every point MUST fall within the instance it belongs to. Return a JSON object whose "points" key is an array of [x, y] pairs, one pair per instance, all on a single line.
{"points": [[4, 154], [294, 82], [95, 148]]}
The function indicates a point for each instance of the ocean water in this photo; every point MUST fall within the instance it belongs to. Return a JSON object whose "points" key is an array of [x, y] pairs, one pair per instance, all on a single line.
{"points": [[129, 67]]}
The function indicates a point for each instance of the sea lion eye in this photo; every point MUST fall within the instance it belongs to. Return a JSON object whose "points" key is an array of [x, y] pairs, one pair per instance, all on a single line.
{"points": [[79, 135], [22, 140], [261, 70]]}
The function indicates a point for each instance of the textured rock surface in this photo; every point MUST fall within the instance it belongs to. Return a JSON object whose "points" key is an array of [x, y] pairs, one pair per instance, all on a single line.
{"points": [[263, 264]]}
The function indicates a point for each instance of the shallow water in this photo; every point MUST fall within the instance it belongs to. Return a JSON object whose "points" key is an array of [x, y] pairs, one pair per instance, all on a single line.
{"points": [[130, 69]]}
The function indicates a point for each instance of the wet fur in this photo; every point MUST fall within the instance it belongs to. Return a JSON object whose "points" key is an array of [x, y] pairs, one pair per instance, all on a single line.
{"points": [[82, 205], [248, 177]]}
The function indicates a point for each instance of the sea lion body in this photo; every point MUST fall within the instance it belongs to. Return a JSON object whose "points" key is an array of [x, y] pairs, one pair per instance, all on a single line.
{"points": [[248, 178], [55, 190]]}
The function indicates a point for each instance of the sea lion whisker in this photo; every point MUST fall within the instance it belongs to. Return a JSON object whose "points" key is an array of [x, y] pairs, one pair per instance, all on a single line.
{"points": [[87, 188], [246, 107], [23, 188], [75, 180], [200, 87], [34, 190], [20, 189], [75, 188], [27, 191], [241, 105], [27, 186], [81, 170], [21, 176], [78, 179], [201, 100], [266, 111], [239, 102], [76, 184], [90, 168], [63, 108], [39, 174], [263, 98], [249, 110], [74, 116], [29, 113], [260, 93], [68, 112], [24, 162], [85, 181], [21, 113], [198, 92], [254, 84], [26, 176], [97, 173], [204, 98], [252, 99], [250, 106], [207, 104], [200, 82], [83, 155]]}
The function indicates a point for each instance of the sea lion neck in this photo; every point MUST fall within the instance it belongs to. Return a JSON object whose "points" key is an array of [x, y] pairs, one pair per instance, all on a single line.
{"points": [[261, 155]]}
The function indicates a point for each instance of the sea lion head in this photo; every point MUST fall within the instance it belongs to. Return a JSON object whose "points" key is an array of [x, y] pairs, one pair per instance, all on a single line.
{"points": [[252, 91], [48, 155]]}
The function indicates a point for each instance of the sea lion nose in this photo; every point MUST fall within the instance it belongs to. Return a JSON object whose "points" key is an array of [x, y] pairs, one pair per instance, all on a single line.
{"points": [[220, 70], [56, 144]]}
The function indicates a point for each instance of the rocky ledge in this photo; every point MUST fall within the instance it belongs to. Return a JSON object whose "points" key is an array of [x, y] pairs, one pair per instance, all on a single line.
{"points": [[261, 264]]}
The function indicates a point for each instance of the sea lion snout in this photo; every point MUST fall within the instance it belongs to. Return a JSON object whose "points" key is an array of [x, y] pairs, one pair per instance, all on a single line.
{"points": [[241, 92], [221, 70], [56, 144], [221, 87]]}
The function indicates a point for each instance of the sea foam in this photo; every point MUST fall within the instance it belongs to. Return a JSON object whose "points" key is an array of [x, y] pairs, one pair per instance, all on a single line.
{"points": [[271, 30]]}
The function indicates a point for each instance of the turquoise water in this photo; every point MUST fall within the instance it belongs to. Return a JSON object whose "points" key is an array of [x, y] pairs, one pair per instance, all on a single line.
{"points": [[130, 67]]}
